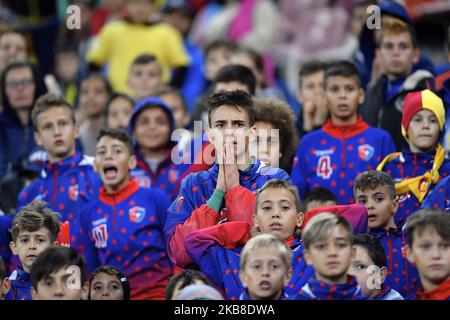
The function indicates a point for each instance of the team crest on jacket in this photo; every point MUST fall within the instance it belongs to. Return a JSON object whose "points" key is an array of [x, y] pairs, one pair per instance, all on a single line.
{"points": [[73, 192], [137, 214], [100, 233], [365, 152]]}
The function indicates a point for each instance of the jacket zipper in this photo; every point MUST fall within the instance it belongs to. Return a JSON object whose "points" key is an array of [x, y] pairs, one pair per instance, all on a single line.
{"points": [[55, 185]]}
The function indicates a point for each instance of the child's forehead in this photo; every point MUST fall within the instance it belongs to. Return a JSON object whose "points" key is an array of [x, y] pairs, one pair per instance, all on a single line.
{"points": [[219, 51], [108, 141], [226, 112], [381, 189], [265, 253], [428, 232], [42, 231], [342, 80], [275, 195]]}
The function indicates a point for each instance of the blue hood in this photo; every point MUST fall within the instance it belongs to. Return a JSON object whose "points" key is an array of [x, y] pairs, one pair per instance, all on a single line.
{"points": [[146, 103]]}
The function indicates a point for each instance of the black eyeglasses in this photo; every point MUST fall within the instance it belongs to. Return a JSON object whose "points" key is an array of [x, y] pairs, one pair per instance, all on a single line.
{"points": [[15, 83]]}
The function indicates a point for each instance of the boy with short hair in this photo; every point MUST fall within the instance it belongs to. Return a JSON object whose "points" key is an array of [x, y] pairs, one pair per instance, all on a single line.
{"points": [[124, 226], [5, 283], [346, 146], [121, 41], [265, 268], [59, 273], [317, 198], [329, 248], [398, 52], [228, 187], [217, 249], [310, 94], [118, 111], [428, 247], [68, 180], [145, 76], [34, 229], [421, 165], [376, 190], [369, 268]]}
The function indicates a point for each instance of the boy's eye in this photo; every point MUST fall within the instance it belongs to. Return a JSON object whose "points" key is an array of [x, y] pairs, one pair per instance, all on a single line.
{"points": [[362, 201], [115, 287], [48, 282], [267, 208], [444, 246], [320, 246], [360, 266], [285, 208], [24, 240], [342, 245], [97, 287], [219, 125], [424, 246], [379, 199]]}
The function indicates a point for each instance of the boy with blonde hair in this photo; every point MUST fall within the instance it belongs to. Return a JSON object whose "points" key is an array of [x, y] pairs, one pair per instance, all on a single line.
{"points": [[329, 248], [265, 268]]}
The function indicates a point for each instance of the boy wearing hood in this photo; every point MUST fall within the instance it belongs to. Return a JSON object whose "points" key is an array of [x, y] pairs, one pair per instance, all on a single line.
{"points": [[398, 52], [151, 125]]}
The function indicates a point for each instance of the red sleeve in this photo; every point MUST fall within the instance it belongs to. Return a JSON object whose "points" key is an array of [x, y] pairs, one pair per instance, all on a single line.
{"points": [[200, 218], [241, 204]]}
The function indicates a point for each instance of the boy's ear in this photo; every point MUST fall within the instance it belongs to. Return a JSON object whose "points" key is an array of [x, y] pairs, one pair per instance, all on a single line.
{"points": [[243, 278], [85, 291], [410, 254], [288, 276], [6, 286], [252, 132], [34, 294], [300, 219], [132, 162], [12, 246], [416, 55], [353, 252], [307, 256], [394, 205], [77, 130], [361, 96], [383, 275], [95, 166], [37, 138]]}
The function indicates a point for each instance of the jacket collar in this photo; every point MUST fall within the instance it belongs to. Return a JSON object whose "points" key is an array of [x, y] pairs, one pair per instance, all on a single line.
{"points": [[68, 163], [380, 232], [441, 292], [120, 195], [324, 291], [343, 132]]}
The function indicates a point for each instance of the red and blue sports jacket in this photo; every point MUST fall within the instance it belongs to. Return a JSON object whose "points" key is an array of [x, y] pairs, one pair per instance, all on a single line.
{"points": [[67, 186], [402, 276], [216, 250], [125, 229], [439, 197], [20, 286], [318, 290], [410, 165], [332, 157], [196, 189]]}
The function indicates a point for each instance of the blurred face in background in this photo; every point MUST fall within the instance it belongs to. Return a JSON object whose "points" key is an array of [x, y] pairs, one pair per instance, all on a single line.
{"points": [[13, 46]]}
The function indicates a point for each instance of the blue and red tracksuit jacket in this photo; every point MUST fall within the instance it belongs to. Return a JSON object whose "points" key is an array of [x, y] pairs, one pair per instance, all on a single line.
{"points": [[125, 229], [20, 285], [168, 175], [332, 157], [196, 189], [390, 294], [216, 250], [67, 186], [439, 197], [318, 290], [410, 165], [402, 276]]}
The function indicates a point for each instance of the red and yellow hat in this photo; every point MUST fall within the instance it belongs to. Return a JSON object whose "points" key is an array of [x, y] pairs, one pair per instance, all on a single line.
{"points": [[417, 101]]}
